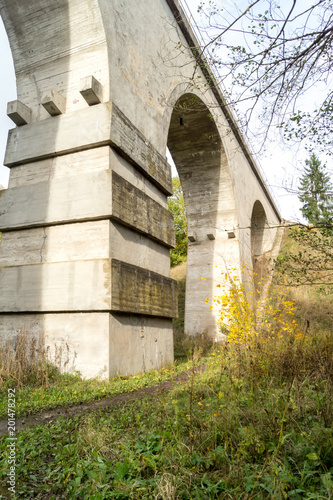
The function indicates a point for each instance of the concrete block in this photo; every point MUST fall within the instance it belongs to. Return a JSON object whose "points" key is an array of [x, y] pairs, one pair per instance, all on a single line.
{"points": [[61, 286], [66, 242], [54, 103], [74, 341], [91, 90], [134, 208], [68, 199], [19, 113], [134, 248], [59, 135], [99, 239], [130, 142], [84, 197], [86, 161], [97, 344], [139, 344], [140, 291], [107, 125]]}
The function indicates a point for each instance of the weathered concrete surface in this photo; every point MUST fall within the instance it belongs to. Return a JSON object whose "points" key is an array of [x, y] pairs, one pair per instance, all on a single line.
{"points": [[19, 113], [134, 208], [139, 344], [53, 102], [59, 135], [107, 125], [97, 344], [90, 285], [83, 197], [64, 243], [60, 286], [89, 240], [137, 290], [91, 90], [78, 341], [89, 187], [69, 199]]}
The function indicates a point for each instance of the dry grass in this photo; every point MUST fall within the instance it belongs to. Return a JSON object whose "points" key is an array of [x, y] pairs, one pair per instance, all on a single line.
{"points": [[179, 272], [24, 361], [314, 303]]}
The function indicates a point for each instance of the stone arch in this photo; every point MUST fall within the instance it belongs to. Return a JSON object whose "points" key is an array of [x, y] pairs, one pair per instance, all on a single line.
{"points": [[260, 241], [195, 144]]}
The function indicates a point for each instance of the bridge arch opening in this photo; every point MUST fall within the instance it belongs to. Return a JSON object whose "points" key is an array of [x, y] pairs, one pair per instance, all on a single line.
{"points": [[260, 244], [197, 151]]}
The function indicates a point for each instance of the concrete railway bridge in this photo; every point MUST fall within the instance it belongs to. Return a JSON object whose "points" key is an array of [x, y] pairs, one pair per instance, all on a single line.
{"points": [[102, 90]]}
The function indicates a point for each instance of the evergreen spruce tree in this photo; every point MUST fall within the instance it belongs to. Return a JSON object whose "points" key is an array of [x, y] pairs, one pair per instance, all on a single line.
{"points": [[316, 193]]}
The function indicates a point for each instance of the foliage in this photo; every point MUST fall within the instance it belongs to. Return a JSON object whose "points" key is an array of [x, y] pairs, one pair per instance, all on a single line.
{"points": [[316, 193], [236, 315], [246, 321], [286, 52], [177, 208]]}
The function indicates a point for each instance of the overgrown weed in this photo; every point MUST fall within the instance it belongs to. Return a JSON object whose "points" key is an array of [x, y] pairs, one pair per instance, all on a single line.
{"points": [[25, 361], [227, 434]]}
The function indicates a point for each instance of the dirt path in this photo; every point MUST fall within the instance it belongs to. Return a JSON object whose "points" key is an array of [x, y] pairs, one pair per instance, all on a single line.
{"points": [[50, 415]]}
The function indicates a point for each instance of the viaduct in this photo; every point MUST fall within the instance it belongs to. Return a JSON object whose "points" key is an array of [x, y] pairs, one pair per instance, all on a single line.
{"points": [[104, 87]]}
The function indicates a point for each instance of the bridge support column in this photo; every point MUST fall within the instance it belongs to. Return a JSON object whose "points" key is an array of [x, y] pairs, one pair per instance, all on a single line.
{"points": [[84, 256]]}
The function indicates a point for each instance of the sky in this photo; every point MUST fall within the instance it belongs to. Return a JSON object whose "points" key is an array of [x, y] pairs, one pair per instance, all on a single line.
{"points": [[280, 167], [7, 94]]}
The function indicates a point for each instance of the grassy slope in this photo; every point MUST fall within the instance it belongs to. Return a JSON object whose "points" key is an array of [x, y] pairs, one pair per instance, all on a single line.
{"points": [[231, 433], [313, 305]]}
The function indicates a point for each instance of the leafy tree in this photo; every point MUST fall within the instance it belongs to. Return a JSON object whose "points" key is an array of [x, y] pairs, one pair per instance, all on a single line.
{"points": [[316, 193], [177, 208], [269, 54]]}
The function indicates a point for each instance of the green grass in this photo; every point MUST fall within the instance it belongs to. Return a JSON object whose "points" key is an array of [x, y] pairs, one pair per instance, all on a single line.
{"points": [[251, 427], [67, 389]]}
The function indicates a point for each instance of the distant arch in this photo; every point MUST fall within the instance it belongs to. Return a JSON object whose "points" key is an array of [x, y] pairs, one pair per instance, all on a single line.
{"points": [[259, 231]]}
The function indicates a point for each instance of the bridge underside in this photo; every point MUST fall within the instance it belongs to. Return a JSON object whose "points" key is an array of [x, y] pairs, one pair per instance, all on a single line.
{"points": [[86, 234]]}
